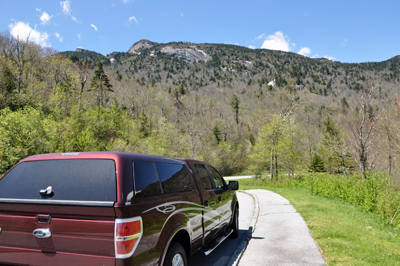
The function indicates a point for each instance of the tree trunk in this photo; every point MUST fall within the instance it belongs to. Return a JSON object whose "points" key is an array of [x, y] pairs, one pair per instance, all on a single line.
{"points": [[272, 165], [237, 116], [19, 83]]}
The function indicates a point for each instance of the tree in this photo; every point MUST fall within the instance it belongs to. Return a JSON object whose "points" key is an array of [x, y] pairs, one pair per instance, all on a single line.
{"points": [[217, 133], [317, 164], [62, 80], [235, 104], [7, 76], [269, 146], [363, 129], [18, 51], [391, 136], [335, 146], [7, 84], [100, 83], [344, 104], [214, 62], [83, 69], [291, 144], [144, 126]]}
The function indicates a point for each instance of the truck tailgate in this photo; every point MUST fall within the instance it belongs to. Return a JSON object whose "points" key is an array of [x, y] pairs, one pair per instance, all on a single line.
{"points": [[79, 235]]}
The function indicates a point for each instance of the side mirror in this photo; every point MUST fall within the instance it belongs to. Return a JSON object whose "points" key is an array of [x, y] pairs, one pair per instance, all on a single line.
{"points": [[233, 185]]}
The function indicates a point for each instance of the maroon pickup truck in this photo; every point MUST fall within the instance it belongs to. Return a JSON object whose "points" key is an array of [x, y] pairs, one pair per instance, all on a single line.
{"points": [[109, 208]]}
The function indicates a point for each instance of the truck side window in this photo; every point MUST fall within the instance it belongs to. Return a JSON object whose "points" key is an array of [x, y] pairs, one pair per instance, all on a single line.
{"points": [[147, 183], [219, 184], [203, 176], [174, 177]]}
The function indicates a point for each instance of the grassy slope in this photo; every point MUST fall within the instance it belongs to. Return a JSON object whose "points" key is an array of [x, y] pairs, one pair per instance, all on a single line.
{"points": [[346, 235]]}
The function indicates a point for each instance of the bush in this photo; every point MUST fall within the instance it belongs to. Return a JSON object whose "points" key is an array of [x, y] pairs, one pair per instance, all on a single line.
{"points": [[373, 193], [22, 133]]}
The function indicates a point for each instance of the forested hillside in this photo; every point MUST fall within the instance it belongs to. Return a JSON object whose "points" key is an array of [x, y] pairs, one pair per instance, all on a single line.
{"points": [[259, 111]]}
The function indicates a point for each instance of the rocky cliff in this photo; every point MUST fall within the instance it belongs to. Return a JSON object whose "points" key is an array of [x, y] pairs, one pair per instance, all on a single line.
{"points": [[188, 54], [140, 46]]}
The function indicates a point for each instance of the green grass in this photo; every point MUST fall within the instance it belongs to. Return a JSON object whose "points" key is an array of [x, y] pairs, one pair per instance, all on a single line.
{"points": [[347, 235]]}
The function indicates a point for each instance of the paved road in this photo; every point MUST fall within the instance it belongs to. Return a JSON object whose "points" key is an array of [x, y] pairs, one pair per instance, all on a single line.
{"points": [[238, 177], [223, 254], [275, 235], [281, 237]]}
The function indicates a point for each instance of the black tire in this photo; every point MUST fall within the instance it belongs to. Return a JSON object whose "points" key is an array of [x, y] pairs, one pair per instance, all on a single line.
{"points": [[235, 224], [176, 256]]}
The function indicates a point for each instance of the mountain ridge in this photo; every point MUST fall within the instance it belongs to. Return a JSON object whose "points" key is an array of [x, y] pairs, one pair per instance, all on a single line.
{"points": [[224, 65], [139, 46]]}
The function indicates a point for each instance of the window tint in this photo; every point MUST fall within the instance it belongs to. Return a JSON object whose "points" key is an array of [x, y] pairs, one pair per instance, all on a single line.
{"points": [[217, 178], [146, 179], [174, 177], [78, 180], [203, 176]]}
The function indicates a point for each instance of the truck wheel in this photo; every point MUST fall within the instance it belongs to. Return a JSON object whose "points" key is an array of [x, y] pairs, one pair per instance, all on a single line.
{"points": [[235, 224], [176, 256]]}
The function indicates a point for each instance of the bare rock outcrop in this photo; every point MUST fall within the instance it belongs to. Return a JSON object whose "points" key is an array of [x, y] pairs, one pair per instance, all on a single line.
{"points": [[188, 54], [140, 46]]}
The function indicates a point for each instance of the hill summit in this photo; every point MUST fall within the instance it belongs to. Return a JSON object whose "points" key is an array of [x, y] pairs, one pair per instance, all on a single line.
{"points": [[189, 54], [140, 46]]}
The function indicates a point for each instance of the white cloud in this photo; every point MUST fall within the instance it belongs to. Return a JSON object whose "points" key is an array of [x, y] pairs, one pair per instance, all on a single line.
{"points": [[22, 31], [95, 28], [325, 56], [133, 19], [304, 51], [79, 36], [181, 14], [252, 47], [277, 41], [329, 57], [45, 18], [66, 7], [261, 36], [58, 36], [344, 42]]}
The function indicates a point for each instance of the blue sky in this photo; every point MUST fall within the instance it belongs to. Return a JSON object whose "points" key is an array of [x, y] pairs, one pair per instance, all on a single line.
{"points": [[347, 31]]}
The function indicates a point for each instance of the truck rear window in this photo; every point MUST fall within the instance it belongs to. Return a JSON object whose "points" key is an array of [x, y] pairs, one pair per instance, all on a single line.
{"points": [[84, 180]]}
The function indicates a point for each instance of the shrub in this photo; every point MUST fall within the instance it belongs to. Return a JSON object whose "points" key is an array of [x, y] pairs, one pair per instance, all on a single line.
{"points": [[373, 194]]}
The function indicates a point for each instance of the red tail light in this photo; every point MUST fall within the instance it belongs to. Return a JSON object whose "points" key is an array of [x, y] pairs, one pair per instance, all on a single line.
{"points": [[128, 233]]}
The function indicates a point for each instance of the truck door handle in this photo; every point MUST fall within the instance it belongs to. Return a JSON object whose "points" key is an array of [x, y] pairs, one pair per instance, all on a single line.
{"points": [[43, 218]]}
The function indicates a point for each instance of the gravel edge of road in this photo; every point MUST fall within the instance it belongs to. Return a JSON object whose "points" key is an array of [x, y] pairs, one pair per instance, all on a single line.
{"points": [[237, 255]]}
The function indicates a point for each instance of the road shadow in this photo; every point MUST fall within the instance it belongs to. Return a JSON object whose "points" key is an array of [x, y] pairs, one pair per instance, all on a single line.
{"points": [[222, 255]]}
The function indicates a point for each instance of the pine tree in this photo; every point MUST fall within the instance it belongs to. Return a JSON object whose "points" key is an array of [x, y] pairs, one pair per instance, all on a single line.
{"points": [[217, 133], [317, 164], [235, 103], [100, 83]]}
